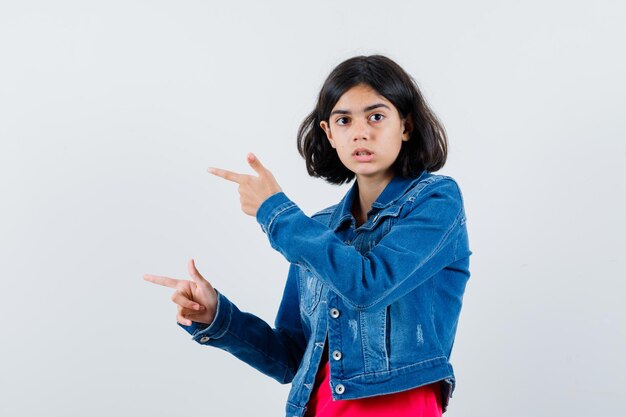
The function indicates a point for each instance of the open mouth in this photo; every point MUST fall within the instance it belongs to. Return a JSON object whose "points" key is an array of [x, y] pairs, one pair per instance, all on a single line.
{"points": [[363, 155]]}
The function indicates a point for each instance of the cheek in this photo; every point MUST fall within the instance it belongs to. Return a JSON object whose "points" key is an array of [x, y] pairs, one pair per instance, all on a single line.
{"points": [[341, 151], [395, 152], [344, 153], [340, 146]]}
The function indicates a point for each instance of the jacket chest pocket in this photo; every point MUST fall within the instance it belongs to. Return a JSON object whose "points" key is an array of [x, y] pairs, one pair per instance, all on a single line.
{"points": [[377, 228], [310, 291]]}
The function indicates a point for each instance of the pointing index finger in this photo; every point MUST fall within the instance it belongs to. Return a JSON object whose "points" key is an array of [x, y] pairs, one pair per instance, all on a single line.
{"points": [[165, 281], [227, 175]]}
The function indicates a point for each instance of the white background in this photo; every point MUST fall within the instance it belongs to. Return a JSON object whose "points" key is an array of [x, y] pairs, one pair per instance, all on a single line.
{"points": [[110, 113]]}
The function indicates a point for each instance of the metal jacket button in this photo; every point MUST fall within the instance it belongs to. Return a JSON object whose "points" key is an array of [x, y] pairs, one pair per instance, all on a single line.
{"points": [[205, 339], [336, 355], [334, 313], [340, 389]]}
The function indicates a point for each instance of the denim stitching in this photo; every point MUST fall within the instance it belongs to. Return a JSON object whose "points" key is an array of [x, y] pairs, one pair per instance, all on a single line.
{"points": [[413, 365], [277, 212], [225, 327]]}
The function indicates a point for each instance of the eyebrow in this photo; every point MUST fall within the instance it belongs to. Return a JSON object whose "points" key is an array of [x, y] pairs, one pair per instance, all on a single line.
{"points": [[368, 108]]}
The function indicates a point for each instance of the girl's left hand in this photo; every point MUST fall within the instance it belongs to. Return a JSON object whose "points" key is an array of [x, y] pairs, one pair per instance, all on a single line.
{"points": [[253, 190]]}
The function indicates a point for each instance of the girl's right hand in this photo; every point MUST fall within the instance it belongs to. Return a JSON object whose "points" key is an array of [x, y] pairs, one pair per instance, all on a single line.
{"points": [[196, 300]]}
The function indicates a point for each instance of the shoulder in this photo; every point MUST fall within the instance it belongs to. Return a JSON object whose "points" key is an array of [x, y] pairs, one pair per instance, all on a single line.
{"points": [[430, 185], [433, 195], [323, 216]]}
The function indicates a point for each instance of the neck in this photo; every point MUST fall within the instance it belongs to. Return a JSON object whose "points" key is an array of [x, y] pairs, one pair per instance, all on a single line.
{"points": [[369, 190]]}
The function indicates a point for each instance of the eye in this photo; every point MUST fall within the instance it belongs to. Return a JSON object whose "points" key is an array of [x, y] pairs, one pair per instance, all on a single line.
{"points": [[342, 121], [377, 117]]}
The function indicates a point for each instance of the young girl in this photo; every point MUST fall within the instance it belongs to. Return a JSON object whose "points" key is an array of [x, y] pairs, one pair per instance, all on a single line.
{"points": [[372, 300]]}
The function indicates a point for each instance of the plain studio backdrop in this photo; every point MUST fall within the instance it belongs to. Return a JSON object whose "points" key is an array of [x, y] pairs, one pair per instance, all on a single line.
{"points": [[110, 113]]}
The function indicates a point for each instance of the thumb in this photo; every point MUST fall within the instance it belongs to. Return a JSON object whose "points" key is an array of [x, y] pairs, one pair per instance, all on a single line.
{"points": [[256, 165], [193, 272]]}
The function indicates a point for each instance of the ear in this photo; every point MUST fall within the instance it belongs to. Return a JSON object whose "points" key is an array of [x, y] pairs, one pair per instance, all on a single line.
{"points": [[407, 122], [326, 128]]}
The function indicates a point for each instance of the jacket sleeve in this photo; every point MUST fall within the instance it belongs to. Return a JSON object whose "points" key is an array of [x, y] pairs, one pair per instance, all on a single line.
{"points": [[418, 245], [277, 352]]}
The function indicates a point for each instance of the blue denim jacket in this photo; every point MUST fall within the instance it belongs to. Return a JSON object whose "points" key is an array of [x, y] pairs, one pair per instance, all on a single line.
{"points": [[385, 296]]}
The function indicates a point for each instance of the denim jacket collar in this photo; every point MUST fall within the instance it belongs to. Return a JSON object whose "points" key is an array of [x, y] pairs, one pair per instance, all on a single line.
{"points": [[396, 188]]}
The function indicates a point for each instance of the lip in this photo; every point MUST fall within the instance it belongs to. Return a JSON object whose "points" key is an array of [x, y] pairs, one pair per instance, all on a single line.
{"points": [[363, 158]]}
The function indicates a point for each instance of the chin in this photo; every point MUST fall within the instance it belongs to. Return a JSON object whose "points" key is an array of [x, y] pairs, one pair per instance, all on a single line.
{"points": [[372, 173]]}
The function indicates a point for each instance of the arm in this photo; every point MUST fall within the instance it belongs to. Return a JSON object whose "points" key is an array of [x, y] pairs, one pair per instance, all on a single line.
{"points": [[276, 352], [419, 245], [423, 242], [215, 321]]}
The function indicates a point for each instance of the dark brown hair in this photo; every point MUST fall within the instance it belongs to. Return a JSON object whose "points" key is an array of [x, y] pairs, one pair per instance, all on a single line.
{"points": [[427, 147]]}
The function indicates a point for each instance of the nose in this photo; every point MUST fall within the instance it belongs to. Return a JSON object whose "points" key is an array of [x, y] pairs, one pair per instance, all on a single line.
{"points": [[360, 130]]}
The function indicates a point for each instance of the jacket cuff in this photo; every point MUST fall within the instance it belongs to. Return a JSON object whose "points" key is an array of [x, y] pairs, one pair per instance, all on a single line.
{"points": [[271, 208], [203, 333]]}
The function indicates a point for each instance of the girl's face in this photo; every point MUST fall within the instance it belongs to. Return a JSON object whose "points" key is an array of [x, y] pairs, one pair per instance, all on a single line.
{"points": [[367, 131]]}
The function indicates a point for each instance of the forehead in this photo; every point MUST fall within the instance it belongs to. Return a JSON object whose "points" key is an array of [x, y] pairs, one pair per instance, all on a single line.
{"points": [[360, 96]]}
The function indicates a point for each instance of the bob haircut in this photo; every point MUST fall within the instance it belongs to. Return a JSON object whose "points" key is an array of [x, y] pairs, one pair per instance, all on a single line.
{"points": [[427, 147]]}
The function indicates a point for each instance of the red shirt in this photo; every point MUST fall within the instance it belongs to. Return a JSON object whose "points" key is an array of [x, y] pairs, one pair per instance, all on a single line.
{"points": [[422, 401]]}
